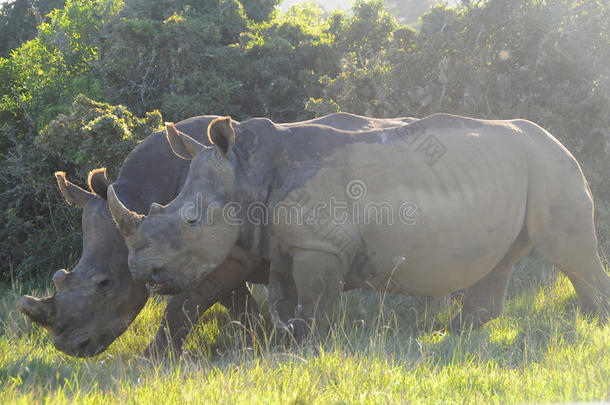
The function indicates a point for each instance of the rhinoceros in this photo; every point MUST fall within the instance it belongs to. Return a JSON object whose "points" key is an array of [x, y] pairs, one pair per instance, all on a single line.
{"points": [[438, 205], [98, 299]]}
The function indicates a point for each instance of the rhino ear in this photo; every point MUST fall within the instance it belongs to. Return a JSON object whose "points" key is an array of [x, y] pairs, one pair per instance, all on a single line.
{"points": [[98, 182], [183, 145], [73, 194], [222, 134], [127, 221]]}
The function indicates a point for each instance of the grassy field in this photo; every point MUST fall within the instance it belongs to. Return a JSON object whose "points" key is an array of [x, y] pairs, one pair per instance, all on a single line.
{"points": [[383, 350]]}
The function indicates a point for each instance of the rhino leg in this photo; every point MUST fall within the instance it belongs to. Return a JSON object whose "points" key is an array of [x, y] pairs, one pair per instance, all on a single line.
{"points": [[181, 314], [575, 254], [282, 293], [184, 310], [560, 225], [318, 279], [241, 305], [484, 300]]}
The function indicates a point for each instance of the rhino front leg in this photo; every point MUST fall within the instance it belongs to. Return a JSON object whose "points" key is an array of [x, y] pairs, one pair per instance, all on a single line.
{"points": [[281, 293], [184, 310], [181, 314], [241, 305], [318, 279]]}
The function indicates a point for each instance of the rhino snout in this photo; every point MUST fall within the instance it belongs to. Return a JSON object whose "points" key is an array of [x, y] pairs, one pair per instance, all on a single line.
{"points": [[144, 270], [139, 277], [166, 284]]}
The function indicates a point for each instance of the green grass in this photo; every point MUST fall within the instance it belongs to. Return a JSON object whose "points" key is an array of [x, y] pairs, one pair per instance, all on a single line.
{"points": [[382, 350]]}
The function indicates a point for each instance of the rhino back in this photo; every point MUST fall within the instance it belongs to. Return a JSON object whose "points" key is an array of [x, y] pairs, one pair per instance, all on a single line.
{"points": [[352, 122], [153, 173]]}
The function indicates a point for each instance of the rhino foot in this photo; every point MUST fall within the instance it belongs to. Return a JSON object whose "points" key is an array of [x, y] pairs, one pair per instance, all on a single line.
{"points": [[464, 323]]}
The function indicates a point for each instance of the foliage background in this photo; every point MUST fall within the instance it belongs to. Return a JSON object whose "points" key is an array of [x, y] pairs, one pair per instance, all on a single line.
{"points": [[134, 61]]}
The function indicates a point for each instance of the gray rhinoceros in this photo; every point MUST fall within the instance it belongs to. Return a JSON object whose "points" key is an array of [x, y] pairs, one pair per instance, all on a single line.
{"points": [[98, 299], [428, 208]]}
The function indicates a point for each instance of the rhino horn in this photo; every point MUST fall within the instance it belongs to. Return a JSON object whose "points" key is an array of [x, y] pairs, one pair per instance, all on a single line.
{"points": [[126, 220], [155, 209], [39, 310], [60, 279], [222, 134], [182, 145], [73, 194]]}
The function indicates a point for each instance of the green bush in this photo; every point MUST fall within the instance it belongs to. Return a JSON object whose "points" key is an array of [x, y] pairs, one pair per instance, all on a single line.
{"points": [[41, 232], [93, 135], [543, 61], [19, 20]]}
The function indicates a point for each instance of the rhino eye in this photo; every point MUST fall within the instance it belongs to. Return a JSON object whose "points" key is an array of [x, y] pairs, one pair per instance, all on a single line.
{"points": [[191, 221], [104, 283]]}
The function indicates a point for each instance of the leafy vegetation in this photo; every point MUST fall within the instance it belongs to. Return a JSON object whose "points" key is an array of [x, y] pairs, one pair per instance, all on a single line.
{"points": [[19, 20], [543, 61]]}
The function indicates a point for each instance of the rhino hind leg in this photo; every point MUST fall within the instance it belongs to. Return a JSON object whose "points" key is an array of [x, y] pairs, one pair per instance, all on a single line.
{"points": [[575, 254], [562, 230], [484, 300]]}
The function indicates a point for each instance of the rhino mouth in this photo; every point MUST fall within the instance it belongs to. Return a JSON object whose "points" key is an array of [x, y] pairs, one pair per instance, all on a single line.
{"points": [[82, 347], [144, 270], [89, 349], [167, 287], [163, 283]]}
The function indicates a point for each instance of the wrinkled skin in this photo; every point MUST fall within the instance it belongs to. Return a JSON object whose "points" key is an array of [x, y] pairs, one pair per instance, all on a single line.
{"points": [[157, 249], [487, 192], [98, 299], [93, 304], [158, 257]]}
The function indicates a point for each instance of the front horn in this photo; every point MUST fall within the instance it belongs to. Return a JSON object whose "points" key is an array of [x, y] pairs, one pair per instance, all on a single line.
{"points": [[39, 310], [126, 220]]}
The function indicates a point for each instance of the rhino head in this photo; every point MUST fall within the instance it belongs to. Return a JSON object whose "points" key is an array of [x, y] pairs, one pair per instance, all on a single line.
{"points": [[187, 239], [98, 299]]}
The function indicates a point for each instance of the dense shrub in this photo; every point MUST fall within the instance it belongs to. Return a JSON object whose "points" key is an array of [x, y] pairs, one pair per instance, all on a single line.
{"points": [[188, 58], [41, 233], [93, 135], [19, 20], [40, 80], [547, 61]]}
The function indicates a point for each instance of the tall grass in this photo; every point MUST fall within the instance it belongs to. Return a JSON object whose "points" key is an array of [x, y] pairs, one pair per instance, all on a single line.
{"points": [[382, 349]]}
